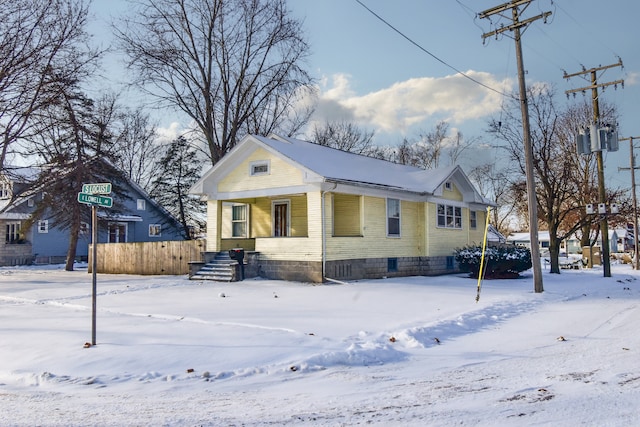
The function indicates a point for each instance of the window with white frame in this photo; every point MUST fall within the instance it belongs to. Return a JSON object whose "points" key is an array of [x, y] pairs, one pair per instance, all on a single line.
{"points": [[84, 228], [142, 204], [5, 190], [261, 167], [449, 216], [393, 217], [473, 220], [155, 230], [239, 221], [12, 232], [43, 226]]}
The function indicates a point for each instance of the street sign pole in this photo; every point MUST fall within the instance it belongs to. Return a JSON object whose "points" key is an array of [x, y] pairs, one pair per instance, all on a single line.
{"points": [[94, 266], [94, 195]]}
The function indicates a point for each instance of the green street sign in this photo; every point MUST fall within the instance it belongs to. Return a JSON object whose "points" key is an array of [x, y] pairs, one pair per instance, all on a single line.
{"points": [[100, 188], [93, 199]]}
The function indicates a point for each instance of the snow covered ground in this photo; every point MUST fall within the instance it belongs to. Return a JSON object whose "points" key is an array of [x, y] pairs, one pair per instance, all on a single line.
{"points": [[414, 351]]}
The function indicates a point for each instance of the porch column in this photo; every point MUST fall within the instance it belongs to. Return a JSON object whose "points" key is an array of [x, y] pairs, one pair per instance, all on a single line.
{"points": [[214, 225]]}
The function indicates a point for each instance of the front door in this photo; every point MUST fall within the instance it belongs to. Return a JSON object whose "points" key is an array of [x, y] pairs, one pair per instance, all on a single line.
{"points": [[280, 219]]}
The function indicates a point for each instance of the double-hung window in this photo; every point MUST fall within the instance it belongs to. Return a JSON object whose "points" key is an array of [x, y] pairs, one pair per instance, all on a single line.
{"points": [[155, 230], [393, 217], [473, 220], [43, 226], [239, 220], [12, 232]]}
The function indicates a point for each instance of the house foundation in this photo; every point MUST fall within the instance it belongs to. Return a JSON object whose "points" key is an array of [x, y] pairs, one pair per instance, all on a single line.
{"points": [[353, 269], [16, 254]]}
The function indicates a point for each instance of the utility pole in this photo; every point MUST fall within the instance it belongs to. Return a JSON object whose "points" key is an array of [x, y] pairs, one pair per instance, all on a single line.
{"points": [[633, 167], [532, 203], [604, 226]]}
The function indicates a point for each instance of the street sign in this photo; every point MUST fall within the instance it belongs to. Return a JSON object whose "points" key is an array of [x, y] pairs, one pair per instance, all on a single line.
{"points": [[101, 188], [94, 199]]}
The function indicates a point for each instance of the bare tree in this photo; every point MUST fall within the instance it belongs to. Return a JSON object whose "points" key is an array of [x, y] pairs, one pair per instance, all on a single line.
{"points": [[457, 145], [493, 183], [42, 43], [563, 180], [232, 66], [136, 146], [345, 136], [426, 151]]}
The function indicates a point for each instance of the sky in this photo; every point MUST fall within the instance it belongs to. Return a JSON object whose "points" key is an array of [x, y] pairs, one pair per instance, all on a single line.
{"points": [[413, 351], [369, 74]]}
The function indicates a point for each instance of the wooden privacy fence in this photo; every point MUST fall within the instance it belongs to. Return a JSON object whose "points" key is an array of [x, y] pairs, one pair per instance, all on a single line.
{"points": [[169, 257]]}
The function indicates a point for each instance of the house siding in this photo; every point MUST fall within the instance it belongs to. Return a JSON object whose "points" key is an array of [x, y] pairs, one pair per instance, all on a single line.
{"points": [[305, 246], [281, 174], [453, 237], [452, 194], [374, 242]]}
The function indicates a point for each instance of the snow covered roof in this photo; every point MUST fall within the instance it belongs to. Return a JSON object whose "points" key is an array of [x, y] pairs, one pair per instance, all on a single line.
{"points": [[336, 165], [543, 236], [20, 173]]}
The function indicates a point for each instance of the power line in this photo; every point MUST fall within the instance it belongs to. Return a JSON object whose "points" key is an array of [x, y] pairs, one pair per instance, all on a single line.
{"points": [[416, 44]]}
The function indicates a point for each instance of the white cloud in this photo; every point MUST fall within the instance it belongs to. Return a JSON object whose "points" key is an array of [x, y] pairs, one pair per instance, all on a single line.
{"points": [[631, 79], [168, 134], [405, 104]]}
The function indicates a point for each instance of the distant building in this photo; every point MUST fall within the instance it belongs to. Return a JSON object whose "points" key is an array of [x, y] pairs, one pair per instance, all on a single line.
{"points": [[135, 218]]}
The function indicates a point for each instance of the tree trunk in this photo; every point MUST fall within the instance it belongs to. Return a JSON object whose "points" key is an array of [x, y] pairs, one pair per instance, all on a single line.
{"points": [[554, 252], [73, 245]]}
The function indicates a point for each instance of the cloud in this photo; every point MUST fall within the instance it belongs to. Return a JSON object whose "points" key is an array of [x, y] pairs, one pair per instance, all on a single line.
{"points": [[405, 104], [168, 134], [631, 79]]}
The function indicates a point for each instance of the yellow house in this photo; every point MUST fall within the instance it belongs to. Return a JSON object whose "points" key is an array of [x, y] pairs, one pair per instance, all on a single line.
{"points": [[306, 212]]}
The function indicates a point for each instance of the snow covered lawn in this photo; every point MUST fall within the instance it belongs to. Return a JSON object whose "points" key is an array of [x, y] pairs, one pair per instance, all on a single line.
{"points": [[413, 351]]}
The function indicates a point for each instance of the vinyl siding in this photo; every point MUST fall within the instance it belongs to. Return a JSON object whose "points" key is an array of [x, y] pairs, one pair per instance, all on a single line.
{"points": [[452, 194], [261, 222], [374, 242], [442, 241], [305, 246], [477, 235], [260, 219], [281, 174]]}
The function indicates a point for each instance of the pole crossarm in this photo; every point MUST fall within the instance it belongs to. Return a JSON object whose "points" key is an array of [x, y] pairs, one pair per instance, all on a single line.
{"points": [[599, 85], [503, 7], [595, 69], [518, 24]]}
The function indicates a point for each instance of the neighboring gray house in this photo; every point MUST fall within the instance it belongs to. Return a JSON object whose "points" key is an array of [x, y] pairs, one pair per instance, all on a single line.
{"points": [[135, 218]]}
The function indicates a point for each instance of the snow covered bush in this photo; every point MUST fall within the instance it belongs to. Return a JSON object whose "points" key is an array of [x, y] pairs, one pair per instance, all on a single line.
{"points": [[500, 262]]}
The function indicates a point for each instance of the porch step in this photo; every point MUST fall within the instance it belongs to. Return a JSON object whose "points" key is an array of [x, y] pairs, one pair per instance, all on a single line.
{"points": [[220, 269]]}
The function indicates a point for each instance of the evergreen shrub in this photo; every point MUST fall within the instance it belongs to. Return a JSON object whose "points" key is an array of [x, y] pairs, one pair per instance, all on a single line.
{"points": [[500, 262]]}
